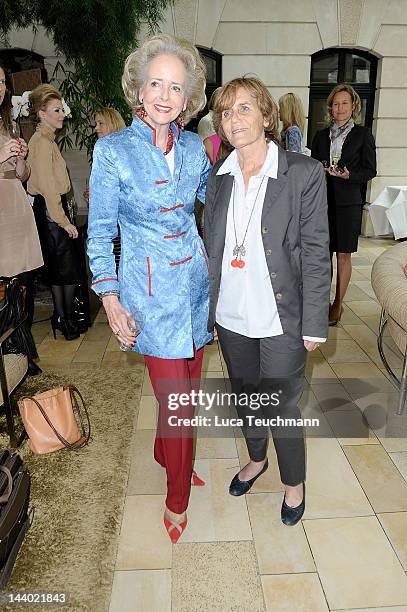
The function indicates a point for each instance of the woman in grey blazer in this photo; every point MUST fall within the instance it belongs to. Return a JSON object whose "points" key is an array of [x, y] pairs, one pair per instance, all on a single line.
{"points": [[266, 234]]}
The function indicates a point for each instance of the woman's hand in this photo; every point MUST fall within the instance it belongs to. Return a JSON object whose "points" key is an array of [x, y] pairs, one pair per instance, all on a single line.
{"points": [[310, 346], [71, 230], [10, 149], [23, 149], [343, 175], [120, 320]]}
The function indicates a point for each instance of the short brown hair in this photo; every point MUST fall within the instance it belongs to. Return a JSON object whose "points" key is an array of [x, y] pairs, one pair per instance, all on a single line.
{"points": [[112, 118], [41, 95], [264, 99], [354, 97]]}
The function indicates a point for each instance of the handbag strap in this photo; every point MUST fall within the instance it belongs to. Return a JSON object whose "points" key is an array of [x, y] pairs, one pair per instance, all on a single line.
{"points": [[81, 413]]}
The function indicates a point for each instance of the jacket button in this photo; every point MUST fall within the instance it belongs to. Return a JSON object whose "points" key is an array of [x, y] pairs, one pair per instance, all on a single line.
{"points": [[268, 252], [274, 275], [264, 230], [279, 296]]}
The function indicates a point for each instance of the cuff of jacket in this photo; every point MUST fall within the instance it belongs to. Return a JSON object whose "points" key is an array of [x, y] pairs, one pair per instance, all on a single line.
{"points": [[102, 285]]}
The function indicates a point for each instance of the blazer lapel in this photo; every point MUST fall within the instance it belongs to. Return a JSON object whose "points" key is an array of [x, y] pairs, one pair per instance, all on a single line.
{"points": [[220, 212], [275, 186]]}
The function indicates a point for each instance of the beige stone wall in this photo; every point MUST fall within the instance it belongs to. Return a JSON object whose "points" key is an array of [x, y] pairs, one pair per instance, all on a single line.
{"points": [[275, 39]]}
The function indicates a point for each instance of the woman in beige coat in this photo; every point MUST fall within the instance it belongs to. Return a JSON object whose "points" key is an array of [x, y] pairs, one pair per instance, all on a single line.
{"points": [[20, 250]]}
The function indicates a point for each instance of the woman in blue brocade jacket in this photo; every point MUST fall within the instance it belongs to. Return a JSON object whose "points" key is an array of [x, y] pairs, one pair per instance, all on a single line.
{"points": [[145, 179]]}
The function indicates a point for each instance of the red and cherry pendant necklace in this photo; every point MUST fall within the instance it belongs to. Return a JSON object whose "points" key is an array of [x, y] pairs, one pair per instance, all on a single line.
{"points": [[239, 250]]}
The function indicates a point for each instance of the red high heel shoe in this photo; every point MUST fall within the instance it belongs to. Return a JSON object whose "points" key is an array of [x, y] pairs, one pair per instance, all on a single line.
{"points": [[173, 528], [196, 481]]}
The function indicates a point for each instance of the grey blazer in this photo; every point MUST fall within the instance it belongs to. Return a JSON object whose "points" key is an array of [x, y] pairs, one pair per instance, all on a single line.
{"points": [[295, 236]]}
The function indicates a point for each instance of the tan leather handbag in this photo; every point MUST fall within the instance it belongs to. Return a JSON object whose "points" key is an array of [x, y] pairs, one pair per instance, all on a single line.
{"points": [[55, 419]]}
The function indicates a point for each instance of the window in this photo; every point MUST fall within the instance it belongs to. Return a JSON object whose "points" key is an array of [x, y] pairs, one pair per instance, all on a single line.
{"points": [[213, 63], [333, 66]]}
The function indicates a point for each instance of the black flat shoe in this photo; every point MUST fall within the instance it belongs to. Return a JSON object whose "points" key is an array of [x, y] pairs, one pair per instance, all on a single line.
{"points": [[241, 487], [291, 516]]}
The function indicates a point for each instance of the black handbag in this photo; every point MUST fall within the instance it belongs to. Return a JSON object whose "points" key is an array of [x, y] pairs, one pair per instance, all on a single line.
{"points": [[15, 516], [12, 312]]}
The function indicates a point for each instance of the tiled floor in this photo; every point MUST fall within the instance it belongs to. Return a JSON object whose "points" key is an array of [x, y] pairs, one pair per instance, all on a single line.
{"points": [[350, 550]]}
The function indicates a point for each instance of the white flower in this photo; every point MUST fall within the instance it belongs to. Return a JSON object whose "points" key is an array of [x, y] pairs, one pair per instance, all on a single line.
{"points": [[20, 105], [66, 108]]}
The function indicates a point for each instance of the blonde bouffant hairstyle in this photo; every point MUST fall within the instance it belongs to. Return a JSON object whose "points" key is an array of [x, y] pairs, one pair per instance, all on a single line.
{"points": [[40, 96], [135, 71], [113, 120], [291, 111], [256, 88], [356, 103]]}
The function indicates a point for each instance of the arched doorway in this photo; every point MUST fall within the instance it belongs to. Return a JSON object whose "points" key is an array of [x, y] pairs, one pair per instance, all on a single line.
{"points": [[332, 66]]}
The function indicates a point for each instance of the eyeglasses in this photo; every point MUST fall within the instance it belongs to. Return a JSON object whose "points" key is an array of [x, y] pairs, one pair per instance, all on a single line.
{"points": [[2, 81]]}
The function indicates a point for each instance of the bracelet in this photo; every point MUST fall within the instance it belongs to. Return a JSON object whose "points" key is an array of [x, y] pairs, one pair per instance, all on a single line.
{"points": [[106, 293]]}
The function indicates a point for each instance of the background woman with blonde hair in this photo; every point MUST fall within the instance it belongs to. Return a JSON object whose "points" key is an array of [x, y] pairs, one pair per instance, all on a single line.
{"points": [[293, 120], [145, 179], [49, 183], [108, 120], [348, 153]]}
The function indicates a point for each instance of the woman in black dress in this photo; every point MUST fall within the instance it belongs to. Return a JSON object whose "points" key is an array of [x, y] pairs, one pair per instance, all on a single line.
{"points": [[348, 154]]}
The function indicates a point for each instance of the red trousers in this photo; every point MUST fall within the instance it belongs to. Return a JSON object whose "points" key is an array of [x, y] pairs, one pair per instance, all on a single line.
{"points": [[173, 448]]}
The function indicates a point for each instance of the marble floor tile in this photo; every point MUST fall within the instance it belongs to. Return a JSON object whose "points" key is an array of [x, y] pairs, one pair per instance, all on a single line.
{"points": [[355, 293], [270, 481], [215, 448], [148, 411], [90, 352], [356, 563], [316, 372], [357, 370], [383, 484], [144, 542], [386, 609], [216, 577], [99, 332], [141, 591], [280, 549], [332, 491], [379, 409], [147, 388], [366, 287], [350, 428], [366, 387], [348, 317], [146, 476], [400, 461], [395, 526], [333, 397], [213, 514], [337, 332], [364, 308], [119, 359], [289, 592], [367, 341], [343, 351]]}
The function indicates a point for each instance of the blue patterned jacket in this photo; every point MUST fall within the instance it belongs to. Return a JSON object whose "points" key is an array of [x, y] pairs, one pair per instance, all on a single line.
{"points": [[163, 272]]}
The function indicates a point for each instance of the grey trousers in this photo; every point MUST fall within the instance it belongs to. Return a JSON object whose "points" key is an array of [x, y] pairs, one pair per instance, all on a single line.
{"points": [[272, 365]]}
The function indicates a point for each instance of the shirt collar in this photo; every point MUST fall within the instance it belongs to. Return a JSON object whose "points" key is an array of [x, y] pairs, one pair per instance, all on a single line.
{"points": [[269, 168], [46, 131], [148, 132]]}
